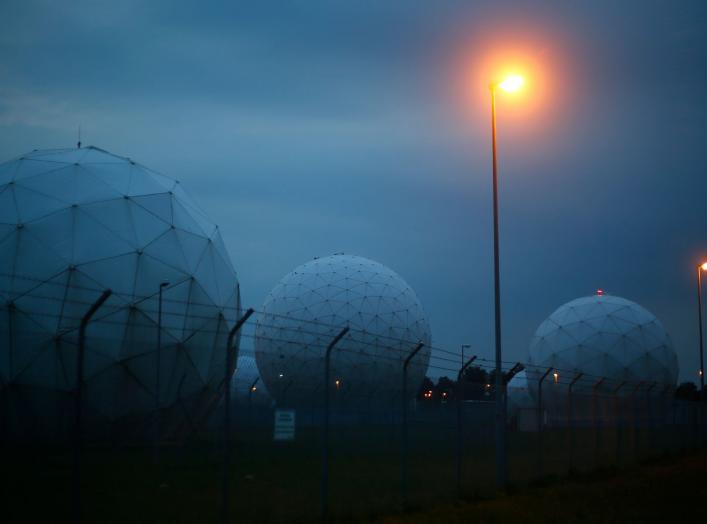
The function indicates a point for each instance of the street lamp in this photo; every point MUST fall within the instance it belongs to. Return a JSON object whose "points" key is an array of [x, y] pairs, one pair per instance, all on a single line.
{"points": [[700, 269], [509, 84]]}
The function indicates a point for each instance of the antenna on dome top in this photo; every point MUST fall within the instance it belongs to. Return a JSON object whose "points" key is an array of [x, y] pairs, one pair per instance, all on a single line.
{"points": [[78, 144]]}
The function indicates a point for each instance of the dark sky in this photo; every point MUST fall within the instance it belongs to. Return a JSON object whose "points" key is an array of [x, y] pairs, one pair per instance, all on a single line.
{"points": [[306, 128]]}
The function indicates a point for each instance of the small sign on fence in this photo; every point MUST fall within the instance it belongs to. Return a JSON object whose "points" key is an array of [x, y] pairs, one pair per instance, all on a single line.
{"points": [[284, 424]]}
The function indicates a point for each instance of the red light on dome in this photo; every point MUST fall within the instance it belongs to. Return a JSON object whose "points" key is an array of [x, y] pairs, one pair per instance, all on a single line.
{"points": [[600, 292]]}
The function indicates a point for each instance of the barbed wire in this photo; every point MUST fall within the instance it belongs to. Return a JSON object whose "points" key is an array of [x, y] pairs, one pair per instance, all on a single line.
{"points": [[112, 310]]}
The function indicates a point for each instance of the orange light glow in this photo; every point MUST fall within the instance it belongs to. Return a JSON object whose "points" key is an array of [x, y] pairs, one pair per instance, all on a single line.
{"points": [[704, 266], [253, 388], [511, 83], [537, 116], [338, 383], [556, 377]]}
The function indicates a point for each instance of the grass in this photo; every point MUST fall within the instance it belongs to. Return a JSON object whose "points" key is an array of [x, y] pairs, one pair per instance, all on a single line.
{"points": [[280, 482], [662, 490]]}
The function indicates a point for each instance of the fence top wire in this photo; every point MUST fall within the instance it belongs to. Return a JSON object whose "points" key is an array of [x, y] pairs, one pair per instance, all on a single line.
{"points": [[438, 354]]}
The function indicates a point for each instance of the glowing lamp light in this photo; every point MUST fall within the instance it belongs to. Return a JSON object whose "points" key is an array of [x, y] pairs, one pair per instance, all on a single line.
{"points": [[511, 83], [699, 372], [338, 383], [703, 267], [253, 388], [600, 292], [556, 376], [281, 375]]}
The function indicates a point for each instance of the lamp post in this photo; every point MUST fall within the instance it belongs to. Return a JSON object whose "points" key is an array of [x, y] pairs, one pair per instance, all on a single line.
{"points": [[700, 269], [509, 84]]}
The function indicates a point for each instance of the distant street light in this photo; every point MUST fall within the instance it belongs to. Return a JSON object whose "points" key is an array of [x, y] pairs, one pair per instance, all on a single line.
{"points": [[509, 84], [700, 269]]}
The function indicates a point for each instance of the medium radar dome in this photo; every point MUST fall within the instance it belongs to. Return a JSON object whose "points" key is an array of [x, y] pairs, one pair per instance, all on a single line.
{"points": [[603, 336], [313, 303]]}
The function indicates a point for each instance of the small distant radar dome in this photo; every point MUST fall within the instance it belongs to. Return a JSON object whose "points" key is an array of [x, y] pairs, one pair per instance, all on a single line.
{"points": [[313, 303], [603, 336], [76, 222]]}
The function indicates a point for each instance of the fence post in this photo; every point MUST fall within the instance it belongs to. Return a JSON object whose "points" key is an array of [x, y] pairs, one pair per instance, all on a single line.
{"points": [[650, 417], [324, 488], [666, 405], [517, 368], [404, 436], [541, 422], [78, 420], [251, 389], [158, 367], [619, 423], [595, 416], [570, 418], [460, 419], [231, 358], [634, 409]]}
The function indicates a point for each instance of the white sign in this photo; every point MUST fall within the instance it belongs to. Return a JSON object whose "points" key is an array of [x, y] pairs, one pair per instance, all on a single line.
{"points": [[284, 424]]}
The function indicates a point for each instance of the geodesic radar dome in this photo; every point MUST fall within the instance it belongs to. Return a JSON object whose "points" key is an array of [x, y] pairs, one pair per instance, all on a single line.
{"points": [[603, 336], [74, 222], [312, 304]]}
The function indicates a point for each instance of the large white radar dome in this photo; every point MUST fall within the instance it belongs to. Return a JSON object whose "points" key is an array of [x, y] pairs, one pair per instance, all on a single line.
{"points": [[74, 222], [313, 303], [604, 336]]}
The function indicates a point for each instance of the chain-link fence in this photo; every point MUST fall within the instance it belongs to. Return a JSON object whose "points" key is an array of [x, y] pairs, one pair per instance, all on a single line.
{"points": [[102, 423]]}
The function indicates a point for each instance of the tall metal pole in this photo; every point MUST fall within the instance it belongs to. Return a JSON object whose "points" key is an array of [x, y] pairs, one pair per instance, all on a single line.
{"points": [[460, 422], [500, 386], [158, 364], [699, 317], [404, 436], [324, 488], [541, 421], [78, 414], [231, 357]]}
